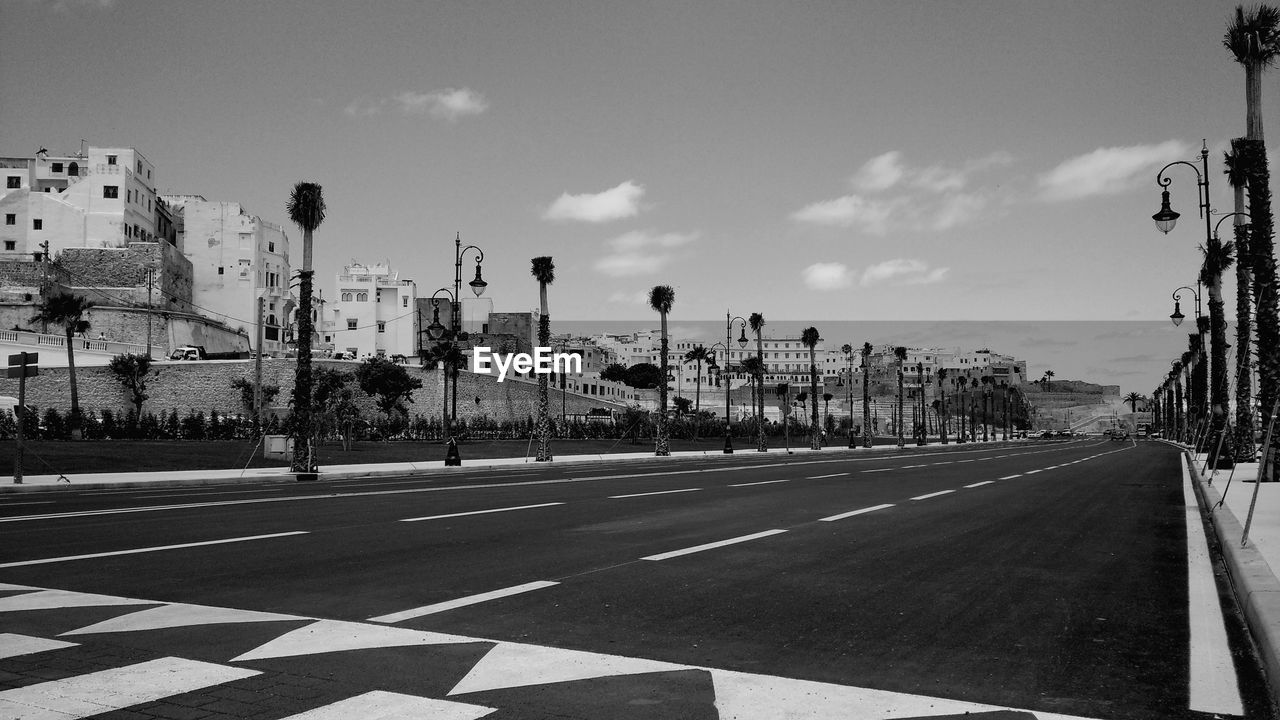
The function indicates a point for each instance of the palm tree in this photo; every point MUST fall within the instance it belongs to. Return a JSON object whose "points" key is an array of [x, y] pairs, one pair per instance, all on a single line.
{"points": [[751, 366], [866, 394], [756, 321], [901, 354], [1242, 443], [306, 209], [544, 270], [698, 354], [1217, 260], [67, 310], [1048, 380], [661, 298], [809, 338], [1133, 399], [1254, 42], [942, 406]]}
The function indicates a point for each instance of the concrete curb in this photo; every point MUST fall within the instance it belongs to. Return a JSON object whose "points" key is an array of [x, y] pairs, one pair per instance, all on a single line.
{"points": [[101, 481], [1254, 582]]}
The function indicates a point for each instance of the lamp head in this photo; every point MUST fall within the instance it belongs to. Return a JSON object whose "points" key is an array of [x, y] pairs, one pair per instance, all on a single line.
{"points": [[1177, 317], [1166, 218], [478, 285], [742, 339]]}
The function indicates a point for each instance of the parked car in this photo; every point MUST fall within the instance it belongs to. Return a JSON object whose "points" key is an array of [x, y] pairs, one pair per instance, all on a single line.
{"points": [[187, 352]]}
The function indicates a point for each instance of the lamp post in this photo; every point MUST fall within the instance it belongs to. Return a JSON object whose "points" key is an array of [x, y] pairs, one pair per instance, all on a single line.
{"points": [[438, 334], [454, 332], [729, 320], [922, 432], [1165, 219], [849, 361], [1004, 407]]}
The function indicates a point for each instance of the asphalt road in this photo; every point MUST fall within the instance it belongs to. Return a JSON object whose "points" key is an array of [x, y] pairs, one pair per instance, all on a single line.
{"points": [[1051, 577]]}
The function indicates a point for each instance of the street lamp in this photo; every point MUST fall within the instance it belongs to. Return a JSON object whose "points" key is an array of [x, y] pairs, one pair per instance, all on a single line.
{"points": [[849, 361], [729, 320], [1176, 316], [922, 432]]}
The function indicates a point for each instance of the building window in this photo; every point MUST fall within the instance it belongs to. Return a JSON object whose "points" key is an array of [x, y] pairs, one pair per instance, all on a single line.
{"points": [[139, 166], [222, 270], [110, 191], [10, 219], [404, 301], [271, 246], [10, 245], [352, 324], [37, 224], [362, 297], [346, 297], [57, 167], [15, 181], [111, 159], [382, 327]]}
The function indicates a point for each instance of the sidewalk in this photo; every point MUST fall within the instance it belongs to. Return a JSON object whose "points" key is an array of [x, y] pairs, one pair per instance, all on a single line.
{"points": [[94, 481], [1227, 496]]}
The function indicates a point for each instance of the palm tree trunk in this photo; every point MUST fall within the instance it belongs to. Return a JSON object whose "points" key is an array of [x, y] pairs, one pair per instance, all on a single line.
{"points": [[899, 423], [1218, 360], [1262, 255], [866, 402], [303, 457], [1243, 442], [77, 432], [544, 402], [662, 444], [815, 437], [762, 445]]}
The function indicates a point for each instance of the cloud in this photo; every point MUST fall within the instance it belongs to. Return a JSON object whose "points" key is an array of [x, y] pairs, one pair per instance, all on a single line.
{"points": [[1108, 171], [641, 252], [615, 203], [932, 198], [827, 276], [902, 271], [449, 104]]}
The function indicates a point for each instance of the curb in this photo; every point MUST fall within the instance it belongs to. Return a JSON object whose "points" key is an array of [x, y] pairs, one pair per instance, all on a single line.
{"points": [[1256, 587]]}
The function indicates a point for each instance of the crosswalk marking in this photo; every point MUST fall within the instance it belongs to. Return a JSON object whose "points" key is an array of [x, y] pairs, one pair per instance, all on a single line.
{"points": [[326, 636], [51, 599], [383, 705], [13, 645], [114, 689], [178, 615]]}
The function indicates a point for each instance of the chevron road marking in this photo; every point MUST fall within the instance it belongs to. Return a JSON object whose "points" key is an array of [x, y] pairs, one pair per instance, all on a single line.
{"points": [[178, 615], [13, 645], [52, 599], [383, 705], [326, 636]]}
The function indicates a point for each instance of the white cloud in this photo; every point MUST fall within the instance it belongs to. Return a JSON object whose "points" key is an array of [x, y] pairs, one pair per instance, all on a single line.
{"points": [[958, 209], [1108, 171], [902, 271], [449, 104], [870, 215], [827, 276], [641, 253], [880, 173], [615, 203]]}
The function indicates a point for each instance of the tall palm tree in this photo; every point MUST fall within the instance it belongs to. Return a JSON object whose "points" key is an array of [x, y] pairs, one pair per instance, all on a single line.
{"points": [[809, 338], [699, 355], [1133, 399], [1254, 42], [67, 310], [1242, 443], [1218, 257], [751, 366], [847, 349], [306, 209], [1048, 380], [756, 321], [661, 298], [901, 354], [544, 270], [866, 394]]}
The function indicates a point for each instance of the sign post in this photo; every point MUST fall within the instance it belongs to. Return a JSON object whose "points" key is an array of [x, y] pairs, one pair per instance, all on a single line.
{"points": [[22, 366]]}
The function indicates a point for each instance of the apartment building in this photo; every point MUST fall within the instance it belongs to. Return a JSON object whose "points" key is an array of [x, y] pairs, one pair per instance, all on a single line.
{"points": [[373, 312]]}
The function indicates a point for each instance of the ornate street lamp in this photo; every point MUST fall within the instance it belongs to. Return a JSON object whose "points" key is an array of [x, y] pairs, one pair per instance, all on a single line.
{"points": [[729, 320]]}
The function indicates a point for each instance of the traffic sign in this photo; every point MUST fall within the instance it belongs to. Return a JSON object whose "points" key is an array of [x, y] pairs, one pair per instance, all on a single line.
{"points": [[23, 371], [24, 358]]}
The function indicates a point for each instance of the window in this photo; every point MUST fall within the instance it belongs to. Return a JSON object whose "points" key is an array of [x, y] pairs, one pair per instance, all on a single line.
{"points": [[10, 245], [352, 324], [110, 191], [222, 270], [346, 297], [10, 219], [271, 246], [139, 166], [111, 159], [57, 167], [404, 301], [37, 224], [15, 181], [128, 197], [362, 297], [382, 327]]}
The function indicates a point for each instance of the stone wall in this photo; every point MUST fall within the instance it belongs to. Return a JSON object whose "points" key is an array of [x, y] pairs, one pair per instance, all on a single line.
{"points": [[205, 386]]}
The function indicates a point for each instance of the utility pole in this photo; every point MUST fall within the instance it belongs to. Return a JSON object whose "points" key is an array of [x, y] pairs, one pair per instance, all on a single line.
{"points": [[257, 365]]}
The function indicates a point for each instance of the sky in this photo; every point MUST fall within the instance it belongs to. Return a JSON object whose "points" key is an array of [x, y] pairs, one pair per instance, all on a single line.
{"points": [[811, 161]]}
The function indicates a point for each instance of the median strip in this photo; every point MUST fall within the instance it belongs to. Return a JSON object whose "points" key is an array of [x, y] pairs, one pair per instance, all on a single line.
{"points": [[462, 602], [481, 512], [135, 551], [712, 546], [851, 513], [660, 492], [933, 495]]}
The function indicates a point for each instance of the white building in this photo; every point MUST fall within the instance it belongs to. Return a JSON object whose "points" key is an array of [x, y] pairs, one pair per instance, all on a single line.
{"points": [[236, 258], [374, 312]]}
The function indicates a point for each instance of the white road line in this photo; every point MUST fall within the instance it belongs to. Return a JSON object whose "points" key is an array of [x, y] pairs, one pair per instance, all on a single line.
{"points": [[762, 482], [821, 477], [908, 467], [28, 502], [969, 460], [660, 492], [1213, 675], [1010, 477], [851, 513], [712, 546], [944, 462], [462, 602], [933, 495], [1031, 472], [879, 470], [980, 484], [135, 551], [480, 512], [115, 689]]}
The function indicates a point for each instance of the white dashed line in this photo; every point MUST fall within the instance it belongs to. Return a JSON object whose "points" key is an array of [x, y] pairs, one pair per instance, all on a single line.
{"points": [[851, 513], [879, 470], [480, 512], [1032, 472], [762, 482], [462, 602], [933, 495], [980, 484], [660, 492], [712, 546], [1010, 477], [820, 477], [135, 551]]}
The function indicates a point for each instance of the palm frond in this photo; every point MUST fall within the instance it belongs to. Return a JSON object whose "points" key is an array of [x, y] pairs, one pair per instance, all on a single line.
{"points": [[306, 206], [809, 337], [544, 269], [1252, 35], [756, 321], [661, 298]]}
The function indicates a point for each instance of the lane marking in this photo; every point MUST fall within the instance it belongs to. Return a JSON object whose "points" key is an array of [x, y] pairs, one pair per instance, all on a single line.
{"points": [[1031, 472], [115, 689], [1010, 477], [462, 602], [933, 495], [969, 460], [944, 462], [879, 470], [136, 551], [712, 546], [762, 482], [851, 513], [659, 492], [908, 467], [480, 512], [821, 477], [980, 484]]}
